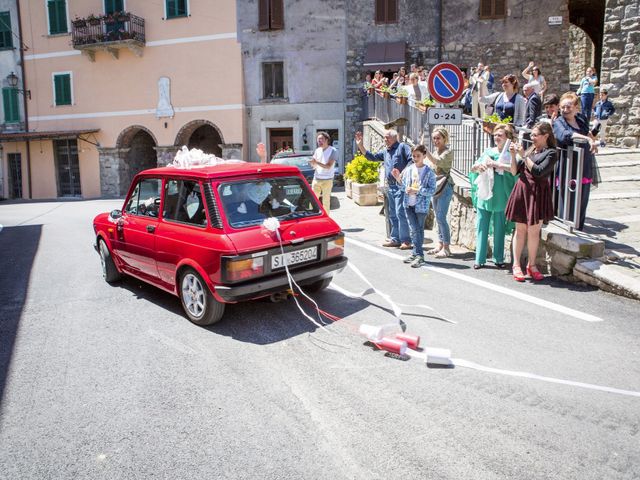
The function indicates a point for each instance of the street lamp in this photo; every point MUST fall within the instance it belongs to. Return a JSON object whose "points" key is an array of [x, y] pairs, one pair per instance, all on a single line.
{"points": [[12, 79]]}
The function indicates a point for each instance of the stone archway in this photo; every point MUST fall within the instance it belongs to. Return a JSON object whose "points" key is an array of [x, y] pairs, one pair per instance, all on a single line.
{"points": [[136, 149], [588, 15], [201, 134]]}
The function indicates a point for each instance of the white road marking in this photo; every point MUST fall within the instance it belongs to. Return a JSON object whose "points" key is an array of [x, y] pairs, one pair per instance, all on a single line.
{"points": [[459, 362], [490, 286]]}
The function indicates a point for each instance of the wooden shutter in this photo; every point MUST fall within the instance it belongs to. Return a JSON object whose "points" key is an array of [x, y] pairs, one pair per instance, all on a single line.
{"points": [[486, 8], [10, 104], [277, 14], [6, 40], [61, 8], [62, 88], [392, 11], [381, 16], [263, 14], [111, 6], [181, 8], [500, 8]]}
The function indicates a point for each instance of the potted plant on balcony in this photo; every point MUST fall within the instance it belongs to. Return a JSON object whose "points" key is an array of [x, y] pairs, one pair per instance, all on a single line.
{"points": [[361, 180], [122, 16], [385, 91], [368, 87], [424, 104], [490, 121], [79, 22], [93, 20], [401, 96]]}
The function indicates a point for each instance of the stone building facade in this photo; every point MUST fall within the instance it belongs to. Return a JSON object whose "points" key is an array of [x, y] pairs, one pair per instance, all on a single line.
{"points": [[507, 44], [621, 70], [294, 73]]}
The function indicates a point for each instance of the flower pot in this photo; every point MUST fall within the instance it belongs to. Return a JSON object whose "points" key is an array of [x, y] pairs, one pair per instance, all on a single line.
{"points": [[94, 21], [79, 23], [347, 187], [365, 193], [421, 107], [488, 127], [371, 91], [401, 100]]}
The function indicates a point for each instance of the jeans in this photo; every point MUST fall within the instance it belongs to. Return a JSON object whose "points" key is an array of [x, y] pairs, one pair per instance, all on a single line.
{"points": [[397, 215], [441, 208], [416, 224], [586, 103], [482, 235]]}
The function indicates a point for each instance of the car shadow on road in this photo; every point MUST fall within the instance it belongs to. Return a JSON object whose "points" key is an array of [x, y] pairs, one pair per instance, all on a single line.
{"points": [[19, 246], [262, 322]]}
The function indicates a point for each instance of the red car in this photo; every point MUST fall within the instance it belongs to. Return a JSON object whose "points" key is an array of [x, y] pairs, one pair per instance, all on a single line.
{"points": [[198, 233]]}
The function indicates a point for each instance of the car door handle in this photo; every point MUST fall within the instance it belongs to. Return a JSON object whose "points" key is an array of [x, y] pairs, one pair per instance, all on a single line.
{"points": [[151, 228]]}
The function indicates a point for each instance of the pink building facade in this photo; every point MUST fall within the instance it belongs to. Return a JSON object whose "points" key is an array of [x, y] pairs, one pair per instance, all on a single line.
{"points": [[117, 86]]}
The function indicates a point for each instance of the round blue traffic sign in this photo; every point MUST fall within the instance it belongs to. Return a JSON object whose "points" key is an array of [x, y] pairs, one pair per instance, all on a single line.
{"points": [[445, 83]]}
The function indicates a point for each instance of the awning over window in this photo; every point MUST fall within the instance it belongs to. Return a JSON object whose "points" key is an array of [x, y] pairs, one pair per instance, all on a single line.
{"points": [[51, 135], [385, 56]]}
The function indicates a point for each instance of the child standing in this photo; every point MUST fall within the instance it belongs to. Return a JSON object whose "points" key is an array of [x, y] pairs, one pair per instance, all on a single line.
{"points": [[603, 110], [419, 183]]}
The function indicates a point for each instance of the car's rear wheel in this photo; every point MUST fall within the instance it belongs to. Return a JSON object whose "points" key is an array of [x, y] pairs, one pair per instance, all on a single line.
{"points": [[109, 270], [319, 285], [197, 301]]}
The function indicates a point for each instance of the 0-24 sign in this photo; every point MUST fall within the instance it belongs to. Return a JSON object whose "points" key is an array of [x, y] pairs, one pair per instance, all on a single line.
{"points": [[444, 116]]}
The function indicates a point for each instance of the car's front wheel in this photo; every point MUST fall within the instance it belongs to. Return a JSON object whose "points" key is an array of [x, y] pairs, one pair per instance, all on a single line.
{"points": [[109, 270], [197, 301]]}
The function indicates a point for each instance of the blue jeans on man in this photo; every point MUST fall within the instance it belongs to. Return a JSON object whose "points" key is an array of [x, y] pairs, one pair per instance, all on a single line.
{"points": [[586, 104], [397, 215]]}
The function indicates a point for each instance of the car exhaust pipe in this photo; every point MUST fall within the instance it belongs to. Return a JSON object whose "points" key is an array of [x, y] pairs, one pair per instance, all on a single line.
{"points": [[279, 297]]}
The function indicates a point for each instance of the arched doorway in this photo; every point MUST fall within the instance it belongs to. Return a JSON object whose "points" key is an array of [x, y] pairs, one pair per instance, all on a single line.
{"points": [[201, 134], [588, 15], [139, 144]]}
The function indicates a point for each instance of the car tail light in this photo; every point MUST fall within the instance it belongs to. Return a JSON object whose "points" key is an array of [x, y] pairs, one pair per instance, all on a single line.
{"points": [[245, 269], [335, 247]]}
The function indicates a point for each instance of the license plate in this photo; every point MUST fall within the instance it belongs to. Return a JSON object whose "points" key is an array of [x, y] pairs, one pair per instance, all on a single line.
{"points": [[295, 257]]}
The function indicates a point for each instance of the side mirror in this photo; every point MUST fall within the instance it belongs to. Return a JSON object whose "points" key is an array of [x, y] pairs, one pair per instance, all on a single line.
{"points": [[115, 214]]}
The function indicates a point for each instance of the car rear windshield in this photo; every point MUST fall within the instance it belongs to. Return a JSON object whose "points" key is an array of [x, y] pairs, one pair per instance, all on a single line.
{"points": [[249, 202]]}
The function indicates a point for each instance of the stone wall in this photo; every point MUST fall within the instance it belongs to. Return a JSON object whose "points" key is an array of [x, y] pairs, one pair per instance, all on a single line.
{"points": [[506, 44], [621, 70], [580, 53]]}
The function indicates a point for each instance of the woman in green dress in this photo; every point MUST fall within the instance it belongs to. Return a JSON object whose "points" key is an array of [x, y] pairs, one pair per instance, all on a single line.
{"points": [[491, 184]]}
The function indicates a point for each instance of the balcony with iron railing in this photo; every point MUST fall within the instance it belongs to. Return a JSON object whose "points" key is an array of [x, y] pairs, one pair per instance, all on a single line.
{"points": [[109, 33]]}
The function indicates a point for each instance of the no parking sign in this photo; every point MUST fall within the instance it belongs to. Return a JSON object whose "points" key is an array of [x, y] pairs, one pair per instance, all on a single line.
{"points": [[445, 83]]}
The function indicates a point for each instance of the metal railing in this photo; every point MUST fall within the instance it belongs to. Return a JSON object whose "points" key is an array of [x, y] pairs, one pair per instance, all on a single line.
{"points": [[116, 27], [469, 139]]}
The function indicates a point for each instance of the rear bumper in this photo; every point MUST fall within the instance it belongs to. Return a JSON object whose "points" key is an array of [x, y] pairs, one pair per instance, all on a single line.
{"points": [[267, 286]]}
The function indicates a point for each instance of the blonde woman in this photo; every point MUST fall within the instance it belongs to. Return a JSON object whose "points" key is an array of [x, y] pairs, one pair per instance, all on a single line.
{"points": [[441, 161]]}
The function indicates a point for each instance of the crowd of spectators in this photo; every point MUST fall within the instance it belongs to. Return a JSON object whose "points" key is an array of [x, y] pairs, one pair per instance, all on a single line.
{"points": [[512, 181]]}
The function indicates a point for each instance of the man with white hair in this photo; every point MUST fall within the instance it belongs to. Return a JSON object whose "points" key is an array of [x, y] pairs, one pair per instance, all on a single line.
{"points": [[534, 105], [396, 155]]}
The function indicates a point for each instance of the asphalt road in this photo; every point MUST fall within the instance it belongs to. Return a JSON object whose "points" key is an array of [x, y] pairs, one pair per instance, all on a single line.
{"points": [[112, 382]]}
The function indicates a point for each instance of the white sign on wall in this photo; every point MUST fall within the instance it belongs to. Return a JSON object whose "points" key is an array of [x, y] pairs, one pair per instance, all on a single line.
{"points": [[555, 20]]}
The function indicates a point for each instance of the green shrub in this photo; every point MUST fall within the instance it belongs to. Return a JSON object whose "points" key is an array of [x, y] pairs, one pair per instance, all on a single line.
{"points": [[361, 170]]}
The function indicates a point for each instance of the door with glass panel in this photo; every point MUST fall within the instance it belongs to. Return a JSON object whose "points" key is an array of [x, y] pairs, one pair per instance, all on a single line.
{"points": [[68, 167]]}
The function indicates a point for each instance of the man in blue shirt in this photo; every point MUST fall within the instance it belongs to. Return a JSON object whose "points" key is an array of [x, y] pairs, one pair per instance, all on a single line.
{"points": [[395, 156]]}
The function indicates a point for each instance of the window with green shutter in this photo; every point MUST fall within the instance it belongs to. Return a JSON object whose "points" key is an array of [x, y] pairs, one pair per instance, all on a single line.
{"points": [[10, 103], [176, 8], [57, 10], [62, 89], [6, 38]]}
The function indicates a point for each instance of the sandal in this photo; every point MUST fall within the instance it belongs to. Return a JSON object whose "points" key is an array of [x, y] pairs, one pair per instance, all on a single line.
{"points": [[433, 251], [518, 276], [535, 274], [444, 253]]}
